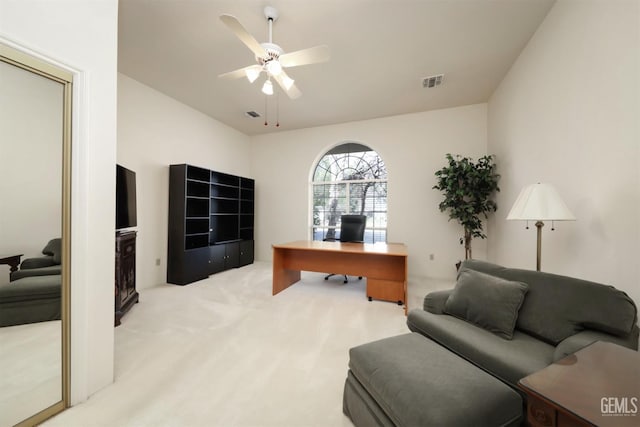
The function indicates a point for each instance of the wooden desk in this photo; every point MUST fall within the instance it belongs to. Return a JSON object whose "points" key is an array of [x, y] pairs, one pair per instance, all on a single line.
{"points": [[384, 265], [598, 385], [13, 261]]}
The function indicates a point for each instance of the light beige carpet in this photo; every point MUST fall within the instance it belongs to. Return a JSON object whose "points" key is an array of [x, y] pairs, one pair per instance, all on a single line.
{"points": [[30, 369], [225, 352]]}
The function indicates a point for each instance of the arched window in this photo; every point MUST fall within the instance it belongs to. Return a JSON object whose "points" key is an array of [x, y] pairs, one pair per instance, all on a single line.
{"points": [[349, 179]]}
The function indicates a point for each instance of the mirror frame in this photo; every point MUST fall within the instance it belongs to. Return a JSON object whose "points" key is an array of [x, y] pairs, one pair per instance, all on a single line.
{"points": [[53, 72]]}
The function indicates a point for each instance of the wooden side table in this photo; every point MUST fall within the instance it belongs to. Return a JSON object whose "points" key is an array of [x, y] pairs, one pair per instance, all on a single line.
{"points": [[597, 385], [13, 261]]}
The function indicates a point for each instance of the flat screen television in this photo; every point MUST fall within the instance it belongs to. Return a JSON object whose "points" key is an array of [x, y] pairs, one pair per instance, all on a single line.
{"points": [[125, 198]]}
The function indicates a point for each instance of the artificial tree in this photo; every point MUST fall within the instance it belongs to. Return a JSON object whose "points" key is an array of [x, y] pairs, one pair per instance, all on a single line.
{"points": [[468, 188]]}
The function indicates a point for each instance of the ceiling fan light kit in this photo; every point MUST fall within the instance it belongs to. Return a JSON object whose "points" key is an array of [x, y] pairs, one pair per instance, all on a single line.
{"points": [[271, 58], [267, 88], [273, 67], [252, 74]]}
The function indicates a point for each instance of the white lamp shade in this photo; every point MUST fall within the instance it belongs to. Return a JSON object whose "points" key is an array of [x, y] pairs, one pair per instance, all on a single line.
{"points": [[273, 67], [540, 202], [267, 88], [252, 74]]}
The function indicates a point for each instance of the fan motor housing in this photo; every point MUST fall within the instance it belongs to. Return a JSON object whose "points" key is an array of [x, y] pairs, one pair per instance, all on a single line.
{"points": [[273, 52]]}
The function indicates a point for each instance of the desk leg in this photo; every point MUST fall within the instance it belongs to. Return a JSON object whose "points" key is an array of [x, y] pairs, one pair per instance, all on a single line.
{"points": [[282, 278]]}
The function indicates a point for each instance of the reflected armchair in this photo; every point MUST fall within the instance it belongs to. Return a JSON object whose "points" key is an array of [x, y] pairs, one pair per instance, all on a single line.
{"points": [[46, 265], [351, 230]]}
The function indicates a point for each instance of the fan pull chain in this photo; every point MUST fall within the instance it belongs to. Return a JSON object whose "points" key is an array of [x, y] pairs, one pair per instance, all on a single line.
{"points": [[553, 227], [277, 109], [265, 111]]}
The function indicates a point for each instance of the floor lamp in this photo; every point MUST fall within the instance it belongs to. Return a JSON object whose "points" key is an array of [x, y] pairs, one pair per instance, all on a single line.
{"points": [[539, 203]]}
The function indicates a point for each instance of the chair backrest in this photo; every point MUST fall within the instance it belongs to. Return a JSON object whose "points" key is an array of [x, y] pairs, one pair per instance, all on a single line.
{"points": [[352, 228]]}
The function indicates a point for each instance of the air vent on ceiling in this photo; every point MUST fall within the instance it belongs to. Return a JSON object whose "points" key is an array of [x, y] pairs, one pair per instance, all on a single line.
{"points": [[433, 81], [252, 114]]}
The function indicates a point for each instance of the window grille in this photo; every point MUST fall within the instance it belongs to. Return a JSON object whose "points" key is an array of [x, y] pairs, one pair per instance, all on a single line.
{"points": [[349, 179]]}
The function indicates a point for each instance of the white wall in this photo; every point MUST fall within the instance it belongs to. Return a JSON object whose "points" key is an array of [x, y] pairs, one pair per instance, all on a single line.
{"points": [[413, 147], [30, 164], [82, 36], [567, 113], [155, 131]]}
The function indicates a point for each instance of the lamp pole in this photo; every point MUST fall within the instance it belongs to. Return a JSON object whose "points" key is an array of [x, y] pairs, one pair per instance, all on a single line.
{"points": [[539, 225]]}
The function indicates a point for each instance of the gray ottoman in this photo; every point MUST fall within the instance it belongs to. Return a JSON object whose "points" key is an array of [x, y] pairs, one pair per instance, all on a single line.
{"points": [[411, 381], [30, 299]]}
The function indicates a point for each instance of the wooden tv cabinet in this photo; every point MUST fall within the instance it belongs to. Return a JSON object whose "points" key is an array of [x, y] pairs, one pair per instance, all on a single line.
{"points": [[126, 294]]}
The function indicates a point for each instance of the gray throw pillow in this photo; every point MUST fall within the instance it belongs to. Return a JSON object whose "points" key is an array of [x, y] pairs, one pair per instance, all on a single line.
{"points": [[54, 248], [487, 301]]}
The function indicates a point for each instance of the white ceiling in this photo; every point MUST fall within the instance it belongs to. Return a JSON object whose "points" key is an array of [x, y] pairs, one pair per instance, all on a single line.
{"points": [[380, 52]]}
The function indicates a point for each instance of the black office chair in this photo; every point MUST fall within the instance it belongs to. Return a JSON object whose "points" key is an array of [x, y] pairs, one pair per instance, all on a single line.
{"points": [[351, 230]]}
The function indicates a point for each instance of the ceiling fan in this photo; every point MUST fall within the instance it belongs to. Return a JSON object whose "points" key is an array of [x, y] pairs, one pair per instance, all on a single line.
{"points": [[271, 58]]}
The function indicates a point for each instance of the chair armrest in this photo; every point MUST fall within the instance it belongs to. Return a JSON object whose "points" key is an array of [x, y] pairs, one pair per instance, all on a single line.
{"points": [[582, 339], [434, 301], [37, 262]]}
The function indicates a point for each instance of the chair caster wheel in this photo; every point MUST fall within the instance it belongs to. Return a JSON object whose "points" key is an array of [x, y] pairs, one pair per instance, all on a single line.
{"points": [[399, 302], [370, 299], [326, 278], [346, 281]]}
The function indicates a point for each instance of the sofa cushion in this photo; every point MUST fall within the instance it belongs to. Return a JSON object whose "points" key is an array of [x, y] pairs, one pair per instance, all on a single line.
{"points": [[488, 301], [509, 360], [557, 307], [37, 262]]}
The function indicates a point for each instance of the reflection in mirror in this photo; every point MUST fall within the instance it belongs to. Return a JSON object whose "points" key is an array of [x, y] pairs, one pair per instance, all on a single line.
{"points": [[32, 128]]}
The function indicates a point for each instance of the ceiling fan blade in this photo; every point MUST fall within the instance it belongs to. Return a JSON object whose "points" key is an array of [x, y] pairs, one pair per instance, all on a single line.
{"points": [[244, 36], [242, 72], [311, 55], [287, 85]]}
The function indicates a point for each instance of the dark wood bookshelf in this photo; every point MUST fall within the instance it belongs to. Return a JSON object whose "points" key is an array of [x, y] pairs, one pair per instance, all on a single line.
{"points": [[211, 218]]}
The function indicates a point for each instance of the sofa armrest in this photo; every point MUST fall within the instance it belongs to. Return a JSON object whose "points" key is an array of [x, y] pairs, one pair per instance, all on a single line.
{"points": [[582, 339], [37, 262], [434, 301]]}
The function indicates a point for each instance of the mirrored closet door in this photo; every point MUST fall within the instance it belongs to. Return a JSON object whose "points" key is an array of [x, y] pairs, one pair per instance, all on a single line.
{"points": [[35, 119]]}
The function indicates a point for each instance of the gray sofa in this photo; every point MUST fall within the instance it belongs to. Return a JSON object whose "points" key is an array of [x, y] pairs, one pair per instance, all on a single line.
{"points": [[470, 346], [557, 316], [46, 265], [34, 292]]}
